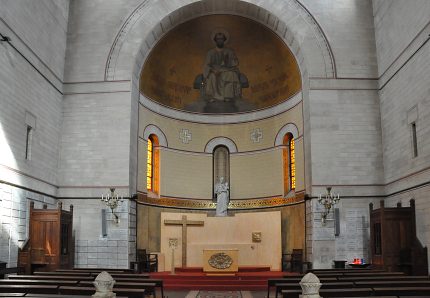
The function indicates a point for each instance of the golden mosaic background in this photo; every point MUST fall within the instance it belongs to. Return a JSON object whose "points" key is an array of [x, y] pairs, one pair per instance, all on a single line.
{"points": [[168, 74]]}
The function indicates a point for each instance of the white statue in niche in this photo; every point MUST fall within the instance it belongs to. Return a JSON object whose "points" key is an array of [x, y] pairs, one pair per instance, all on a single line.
{"points": [[222, 197]]}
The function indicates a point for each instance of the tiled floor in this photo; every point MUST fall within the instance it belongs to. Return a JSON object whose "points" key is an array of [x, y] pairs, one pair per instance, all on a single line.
{"points": [[193, 294]]}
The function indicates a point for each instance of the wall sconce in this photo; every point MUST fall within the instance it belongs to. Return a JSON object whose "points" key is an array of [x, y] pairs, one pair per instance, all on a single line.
{"points": [[328, 202], [112, 200]]}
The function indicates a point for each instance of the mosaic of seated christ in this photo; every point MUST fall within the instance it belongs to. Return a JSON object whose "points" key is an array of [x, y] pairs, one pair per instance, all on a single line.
{"points": [[220, 64]]}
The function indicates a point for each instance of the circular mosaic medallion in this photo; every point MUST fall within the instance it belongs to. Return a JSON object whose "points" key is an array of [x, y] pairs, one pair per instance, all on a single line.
{"points": [[220, 261]]}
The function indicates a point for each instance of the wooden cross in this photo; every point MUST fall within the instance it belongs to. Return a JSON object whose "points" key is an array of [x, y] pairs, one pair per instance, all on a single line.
{"points": [[184, 223]]}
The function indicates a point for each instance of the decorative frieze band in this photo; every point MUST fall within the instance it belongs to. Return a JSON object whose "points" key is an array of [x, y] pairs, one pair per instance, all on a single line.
{"points": [[209, 204]]}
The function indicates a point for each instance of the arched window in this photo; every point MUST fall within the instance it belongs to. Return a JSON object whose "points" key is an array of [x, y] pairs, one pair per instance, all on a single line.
{"points": [[221, 165], [292, 164], [152, 165], [289, 155]]}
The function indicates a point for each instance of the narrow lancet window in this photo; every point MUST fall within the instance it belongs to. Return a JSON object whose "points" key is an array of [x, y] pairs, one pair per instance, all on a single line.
{"points": [[414, 139], [149, 166], [152, 165], [29, 137], [292, 164], [289, 157]]}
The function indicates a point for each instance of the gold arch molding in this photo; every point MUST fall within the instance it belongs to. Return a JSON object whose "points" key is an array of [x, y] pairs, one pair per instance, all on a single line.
{"points": [[170, 72]]}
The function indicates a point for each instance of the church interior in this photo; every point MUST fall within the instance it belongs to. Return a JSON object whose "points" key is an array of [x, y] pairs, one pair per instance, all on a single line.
{"points": [[214, 148]]}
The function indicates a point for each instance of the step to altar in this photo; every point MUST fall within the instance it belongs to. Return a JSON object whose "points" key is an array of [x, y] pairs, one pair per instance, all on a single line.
{"points": [[193, 278], [241, 269]]}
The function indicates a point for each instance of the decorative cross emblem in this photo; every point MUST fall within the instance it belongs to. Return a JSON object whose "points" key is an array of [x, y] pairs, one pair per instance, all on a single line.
{"points": [[256, 135], [185, 136]]}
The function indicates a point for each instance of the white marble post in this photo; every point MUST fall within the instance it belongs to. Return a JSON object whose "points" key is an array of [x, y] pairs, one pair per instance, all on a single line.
{"points": [[310, 284], [104, 285]]}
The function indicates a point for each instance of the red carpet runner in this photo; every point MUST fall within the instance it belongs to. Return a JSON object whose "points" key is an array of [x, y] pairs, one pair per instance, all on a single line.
{"points": [[191, 278]]}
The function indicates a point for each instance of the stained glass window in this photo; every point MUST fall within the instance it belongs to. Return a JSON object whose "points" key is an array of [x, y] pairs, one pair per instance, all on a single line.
{"points": [[292, 164], [149, 164], [152, 165], [289, 161]]}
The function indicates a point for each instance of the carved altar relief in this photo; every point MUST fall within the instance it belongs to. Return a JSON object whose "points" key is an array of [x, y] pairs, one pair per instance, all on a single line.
{"points": [[220, 260]]}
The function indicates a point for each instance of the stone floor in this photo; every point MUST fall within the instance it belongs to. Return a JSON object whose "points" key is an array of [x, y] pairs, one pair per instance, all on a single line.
{"points": [[194, 294]]}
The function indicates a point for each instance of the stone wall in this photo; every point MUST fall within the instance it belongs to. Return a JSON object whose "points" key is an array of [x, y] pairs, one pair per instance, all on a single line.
{"points": [[346, 154], [402, 36], [31, 74], [93, 249], [95, 144], [41, 26]]}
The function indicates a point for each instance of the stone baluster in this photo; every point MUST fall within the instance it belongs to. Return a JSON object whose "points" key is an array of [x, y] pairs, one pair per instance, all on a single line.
{"points": [[104, 285], [310, 284]]}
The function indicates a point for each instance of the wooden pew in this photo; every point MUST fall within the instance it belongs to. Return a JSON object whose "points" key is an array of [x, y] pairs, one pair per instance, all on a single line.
{"points": [[129, 279], [158, 282], [124, 275], [356, 292], [89, 271], [328, 274], [271, 282], [58, 279], [103, 269], [150, 287], [62, 273], [61, 296], [38, 282], [41, 289], [337, 270], [49, 277], [378, 296], [10, 270], [392, 283], [374, 274], [295, 286], [402, 291], [365, 278], [130, 293], [369, 278]]}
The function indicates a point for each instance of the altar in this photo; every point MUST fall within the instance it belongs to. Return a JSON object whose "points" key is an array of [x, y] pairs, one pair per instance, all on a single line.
{"points": [[255, 236]]}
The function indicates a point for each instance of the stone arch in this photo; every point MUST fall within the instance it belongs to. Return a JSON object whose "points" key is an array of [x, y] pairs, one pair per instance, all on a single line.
{"points": [[153, 129], [210, 146], [291, 21], [287, 128]]}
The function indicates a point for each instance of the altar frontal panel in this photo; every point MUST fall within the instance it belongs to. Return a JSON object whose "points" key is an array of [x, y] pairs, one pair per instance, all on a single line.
{"points": [[256, 236]]}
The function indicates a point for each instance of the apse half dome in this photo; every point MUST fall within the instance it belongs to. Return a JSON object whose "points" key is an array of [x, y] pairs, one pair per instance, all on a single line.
{"points": [[220, 64]]}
